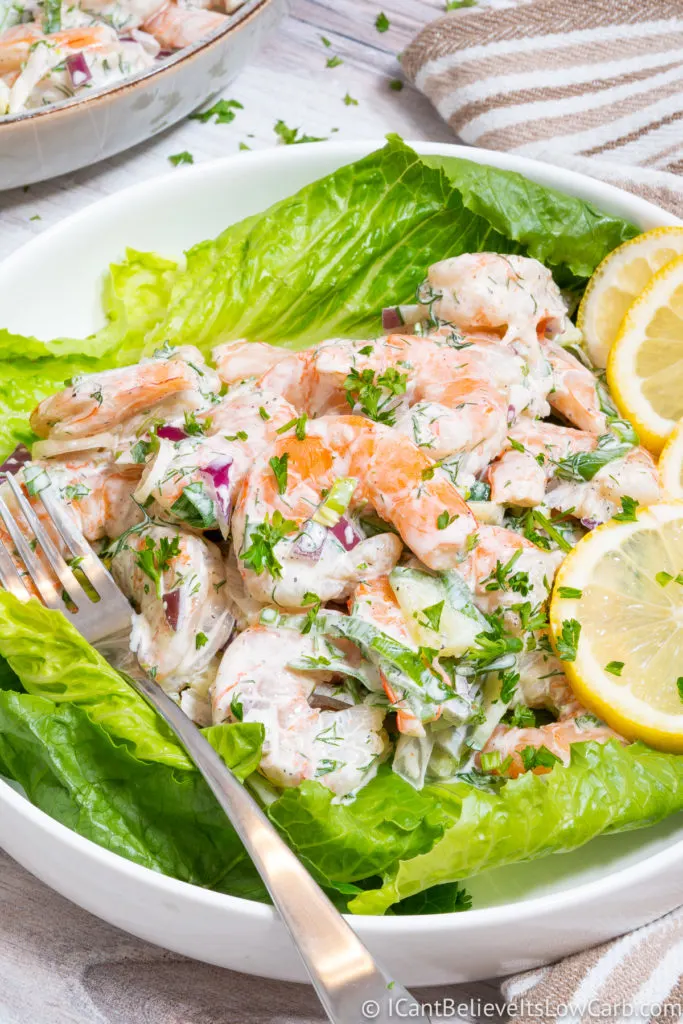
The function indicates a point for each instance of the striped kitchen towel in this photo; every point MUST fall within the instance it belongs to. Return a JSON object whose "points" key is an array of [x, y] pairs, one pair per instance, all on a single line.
{"points": [[592, 85], [633, 980]]}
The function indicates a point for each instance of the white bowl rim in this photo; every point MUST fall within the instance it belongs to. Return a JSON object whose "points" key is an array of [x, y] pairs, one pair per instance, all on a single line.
{"points": [[366, 925], [236, 20]]}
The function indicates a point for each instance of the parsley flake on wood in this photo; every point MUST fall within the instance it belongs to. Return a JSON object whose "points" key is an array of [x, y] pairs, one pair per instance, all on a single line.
{"points": [[349, 101], [382, 23], [291, 136], [260, 555], [396, 84], [333, 62], [181, 158], [223, 111]]}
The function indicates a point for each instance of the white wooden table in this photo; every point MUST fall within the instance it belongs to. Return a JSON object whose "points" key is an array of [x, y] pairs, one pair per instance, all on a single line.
{"points": [[58, 964]]}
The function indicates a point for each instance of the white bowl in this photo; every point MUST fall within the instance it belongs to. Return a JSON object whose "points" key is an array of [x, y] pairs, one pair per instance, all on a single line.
{"points": [[526, 915], [43, 143]]}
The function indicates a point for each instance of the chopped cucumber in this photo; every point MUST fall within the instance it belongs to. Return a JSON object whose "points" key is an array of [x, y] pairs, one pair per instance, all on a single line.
{"points": [[493, 709], [437, 611]]}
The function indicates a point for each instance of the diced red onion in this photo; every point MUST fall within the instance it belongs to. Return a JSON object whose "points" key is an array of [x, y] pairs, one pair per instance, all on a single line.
{"points": [[78, 69], [19, 457], [219, 473], [170, 433], [512, 415], [346, 534], [590, 524], [171, 603], [310, 542], [391, 318]]}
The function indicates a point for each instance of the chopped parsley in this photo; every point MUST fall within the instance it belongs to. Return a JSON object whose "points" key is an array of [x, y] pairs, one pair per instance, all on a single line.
{"points": [[291, 136], [628, 510], [540, 757], [200, 640], [195, 507], [664, 578], [570, 593], [382, 23], [614, 667], [140, 451], [260, 555], [278, 464], [192, 427], [679, 687], [522, 717], [396, 84], [312, 602], [325, 41], [223, 111], [349, 101], [181, 158], [431, 616], [333, 62], [376, 398], [502, 577], [568, 642], [236, 709], [155, 559], [52, 16], [517, 445], [444, 519], [508, 685]]}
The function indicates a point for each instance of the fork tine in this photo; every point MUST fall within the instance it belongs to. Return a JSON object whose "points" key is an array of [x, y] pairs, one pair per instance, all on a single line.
{"points": [[62, 571], [10, 578], [78, 545], [40, 577]]}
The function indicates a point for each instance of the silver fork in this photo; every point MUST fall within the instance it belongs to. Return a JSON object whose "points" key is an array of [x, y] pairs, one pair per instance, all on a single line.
{"points": [[349, 983]]}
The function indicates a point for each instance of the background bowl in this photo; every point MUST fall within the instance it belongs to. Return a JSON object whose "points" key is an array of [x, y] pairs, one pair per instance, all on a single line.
{"points": [[43, 143], [527, 914]]}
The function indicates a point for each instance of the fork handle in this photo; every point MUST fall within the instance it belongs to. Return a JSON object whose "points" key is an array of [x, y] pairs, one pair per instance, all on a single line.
{"points": [[351, 986]]}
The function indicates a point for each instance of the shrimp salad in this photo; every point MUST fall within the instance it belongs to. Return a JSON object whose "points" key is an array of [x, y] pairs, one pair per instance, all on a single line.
{"points": [[52, 51], [354, 544]]}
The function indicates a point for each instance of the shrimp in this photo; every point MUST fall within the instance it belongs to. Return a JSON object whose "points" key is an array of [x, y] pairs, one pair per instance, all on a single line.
{"points": [[530, 477], [124, 16], [513, 296], [255, 683], [213, 464], [504, 569], [575, 394], [102, 401], [175, 27], [376, 602], [520, 477], [238, 360], [595, 501], [274, 521], [558, 738], [175, 581]]}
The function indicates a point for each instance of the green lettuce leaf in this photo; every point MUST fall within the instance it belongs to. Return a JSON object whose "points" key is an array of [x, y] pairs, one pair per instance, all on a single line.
{"points": [[324, 262], [557, 229], [53, 660], [149, 812], [606, 788], [135, 296]]}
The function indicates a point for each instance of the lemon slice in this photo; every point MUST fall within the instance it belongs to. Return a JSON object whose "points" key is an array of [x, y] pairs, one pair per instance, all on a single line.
{"points": [[645, 366], [620, 585], [671, 464], [620, 279]]}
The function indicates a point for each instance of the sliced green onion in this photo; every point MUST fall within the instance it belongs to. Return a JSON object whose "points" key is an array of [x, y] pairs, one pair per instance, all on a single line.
{"points": [[491, 760], [269, 617], [337, 501]]}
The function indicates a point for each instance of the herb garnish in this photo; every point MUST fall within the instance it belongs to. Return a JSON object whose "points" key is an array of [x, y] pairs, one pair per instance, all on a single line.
{"points": [[614, 667], [382, 23], [181, 158], [376, 398], [628, 510], [223, 111], [260, 554], [568, 642], [278, 464], [154, 560]]}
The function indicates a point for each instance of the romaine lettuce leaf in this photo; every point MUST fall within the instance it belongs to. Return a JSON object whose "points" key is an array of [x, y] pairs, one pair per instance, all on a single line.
{"points": [[324, 262], [557, 229], [136, 294], [53, 660], [606, 788], [149, 812]]}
